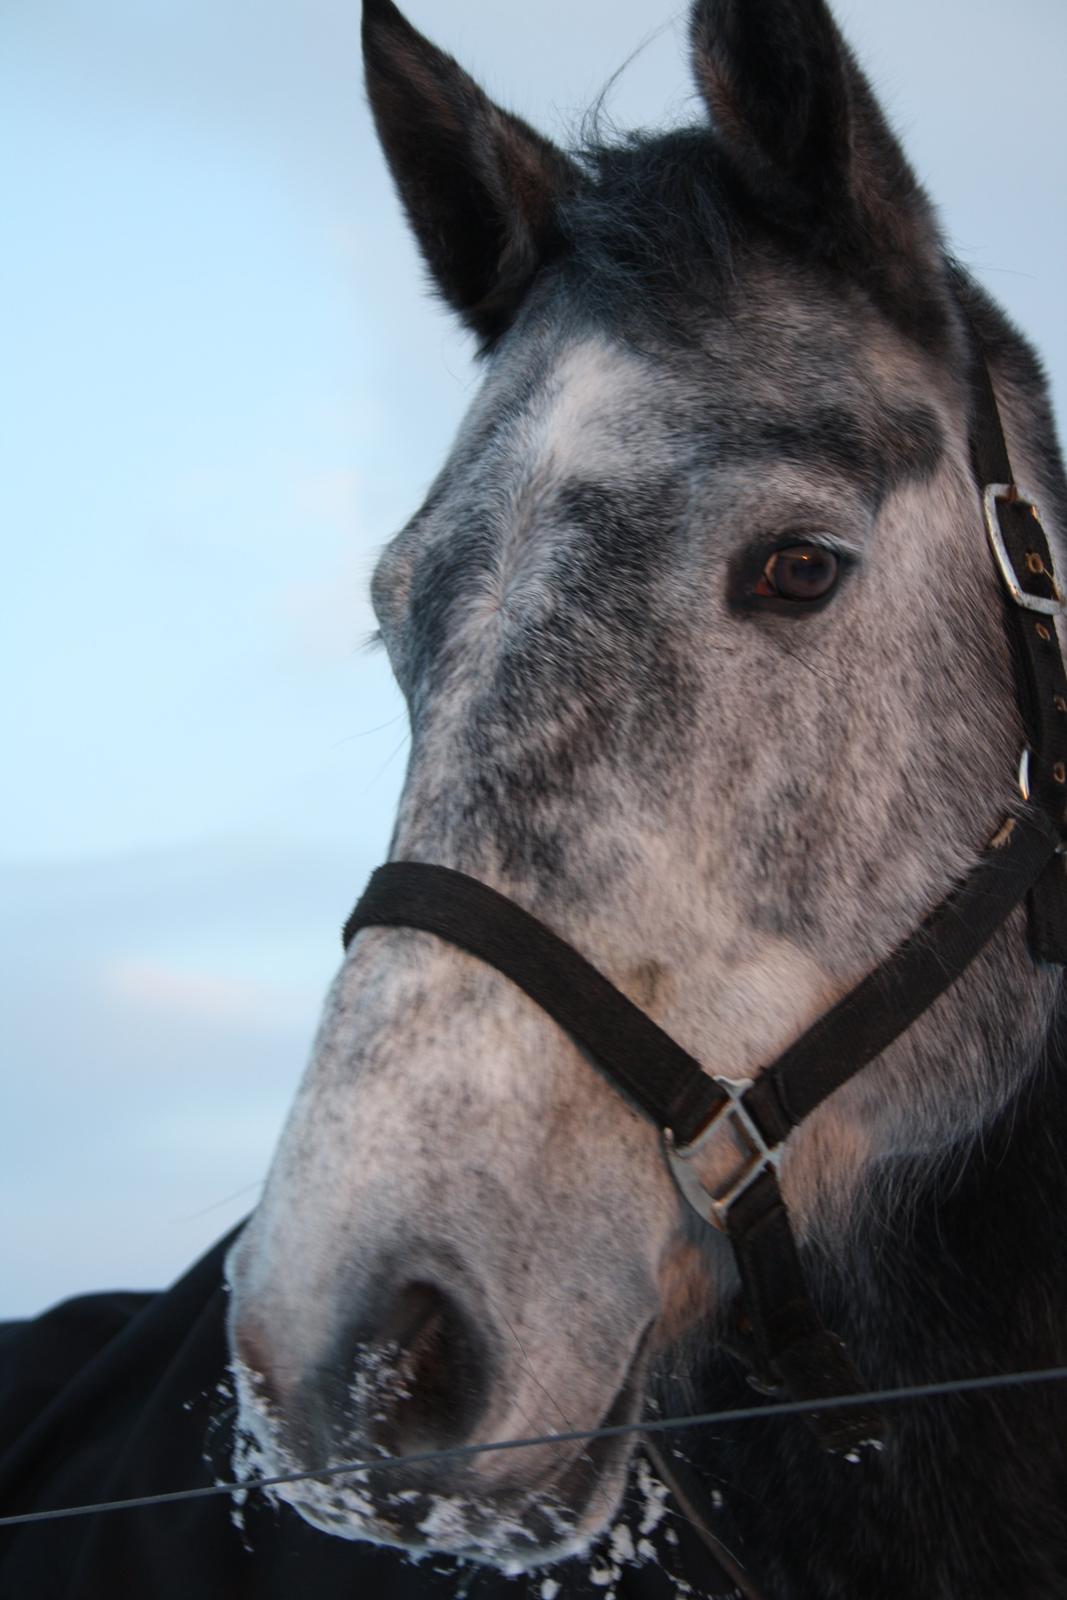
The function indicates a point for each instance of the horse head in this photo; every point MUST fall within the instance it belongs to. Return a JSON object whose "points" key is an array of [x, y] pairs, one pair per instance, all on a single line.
{"points": [[703, 657]]}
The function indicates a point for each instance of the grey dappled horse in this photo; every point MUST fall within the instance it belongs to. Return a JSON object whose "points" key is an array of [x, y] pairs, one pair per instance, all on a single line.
{"points": [[705, 664]]}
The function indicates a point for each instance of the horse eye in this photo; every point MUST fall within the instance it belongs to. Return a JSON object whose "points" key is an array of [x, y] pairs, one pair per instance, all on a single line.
{"points": [[799, 572]]}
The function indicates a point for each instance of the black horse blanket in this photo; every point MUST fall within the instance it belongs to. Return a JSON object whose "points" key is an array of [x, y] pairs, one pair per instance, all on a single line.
{"points": [[119, 1395]]}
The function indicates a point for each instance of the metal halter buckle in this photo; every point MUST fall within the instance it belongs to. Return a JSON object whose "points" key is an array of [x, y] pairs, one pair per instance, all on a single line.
{"points": [[1050, 606], [754, 1153], [1024, 772]]}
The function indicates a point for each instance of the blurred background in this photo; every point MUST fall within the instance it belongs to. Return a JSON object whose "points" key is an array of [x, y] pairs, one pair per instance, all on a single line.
{"points": [[223, 388]]}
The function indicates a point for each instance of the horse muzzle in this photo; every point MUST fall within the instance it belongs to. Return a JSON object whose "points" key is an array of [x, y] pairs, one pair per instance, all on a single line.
{"points": [[422, 1379]]}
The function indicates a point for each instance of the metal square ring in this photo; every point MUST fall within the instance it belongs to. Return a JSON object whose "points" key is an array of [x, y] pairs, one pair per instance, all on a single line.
{"points": [[754, 1154]]}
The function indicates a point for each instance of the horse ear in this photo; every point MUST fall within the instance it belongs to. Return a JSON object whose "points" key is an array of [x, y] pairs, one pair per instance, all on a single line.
{"points": [[800, 121], [479, 185]]}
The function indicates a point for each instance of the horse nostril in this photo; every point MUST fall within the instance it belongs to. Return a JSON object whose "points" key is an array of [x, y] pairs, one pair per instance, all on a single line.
{"points": [[416, 1312], [441, 1371], [418, 1381]]}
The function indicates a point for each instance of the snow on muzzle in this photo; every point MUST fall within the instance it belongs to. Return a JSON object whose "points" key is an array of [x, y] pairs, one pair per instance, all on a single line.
{"points": [[425, 1378], [462, 1240]]}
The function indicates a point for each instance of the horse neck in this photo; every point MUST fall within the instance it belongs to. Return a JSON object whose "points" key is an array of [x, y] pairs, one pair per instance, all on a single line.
{"points": [[956, 1273], [966, 1263]]}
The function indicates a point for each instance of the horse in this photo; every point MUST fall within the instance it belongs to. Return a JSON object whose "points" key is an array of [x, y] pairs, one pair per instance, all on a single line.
{"points": [[705, 668], [708, 658]]}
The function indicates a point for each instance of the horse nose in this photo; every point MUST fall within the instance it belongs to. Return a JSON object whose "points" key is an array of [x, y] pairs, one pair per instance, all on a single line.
{"points": [[414, 1377]]}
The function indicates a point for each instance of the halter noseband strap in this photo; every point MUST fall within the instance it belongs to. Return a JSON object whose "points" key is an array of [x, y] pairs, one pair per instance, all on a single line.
{"points": [[790, 1349], [689, 1107]]}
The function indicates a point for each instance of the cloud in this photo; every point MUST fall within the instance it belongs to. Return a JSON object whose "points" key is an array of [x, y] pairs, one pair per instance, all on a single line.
{"points": [[204, 996], [159, 1011]]}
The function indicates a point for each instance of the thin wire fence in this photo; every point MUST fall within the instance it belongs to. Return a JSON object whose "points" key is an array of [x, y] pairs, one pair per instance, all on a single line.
{"points": [[705, 1419]]}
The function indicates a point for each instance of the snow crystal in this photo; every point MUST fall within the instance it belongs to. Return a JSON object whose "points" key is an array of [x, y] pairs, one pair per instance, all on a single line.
{"points": [[622, 1543], [654, 1495], [445, 1522], [380, 1378], [640, 1535]]}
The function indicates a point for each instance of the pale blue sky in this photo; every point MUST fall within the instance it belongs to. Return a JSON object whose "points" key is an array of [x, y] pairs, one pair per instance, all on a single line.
{"points": [[223, 388]]}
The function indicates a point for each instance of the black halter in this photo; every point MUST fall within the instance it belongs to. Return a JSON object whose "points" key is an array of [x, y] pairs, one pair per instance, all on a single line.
{"points": [[787, 1346]]}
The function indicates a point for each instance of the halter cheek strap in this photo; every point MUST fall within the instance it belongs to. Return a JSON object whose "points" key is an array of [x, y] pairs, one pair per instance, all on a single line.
{"points": [[783, 1337], [1032, 601]]}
